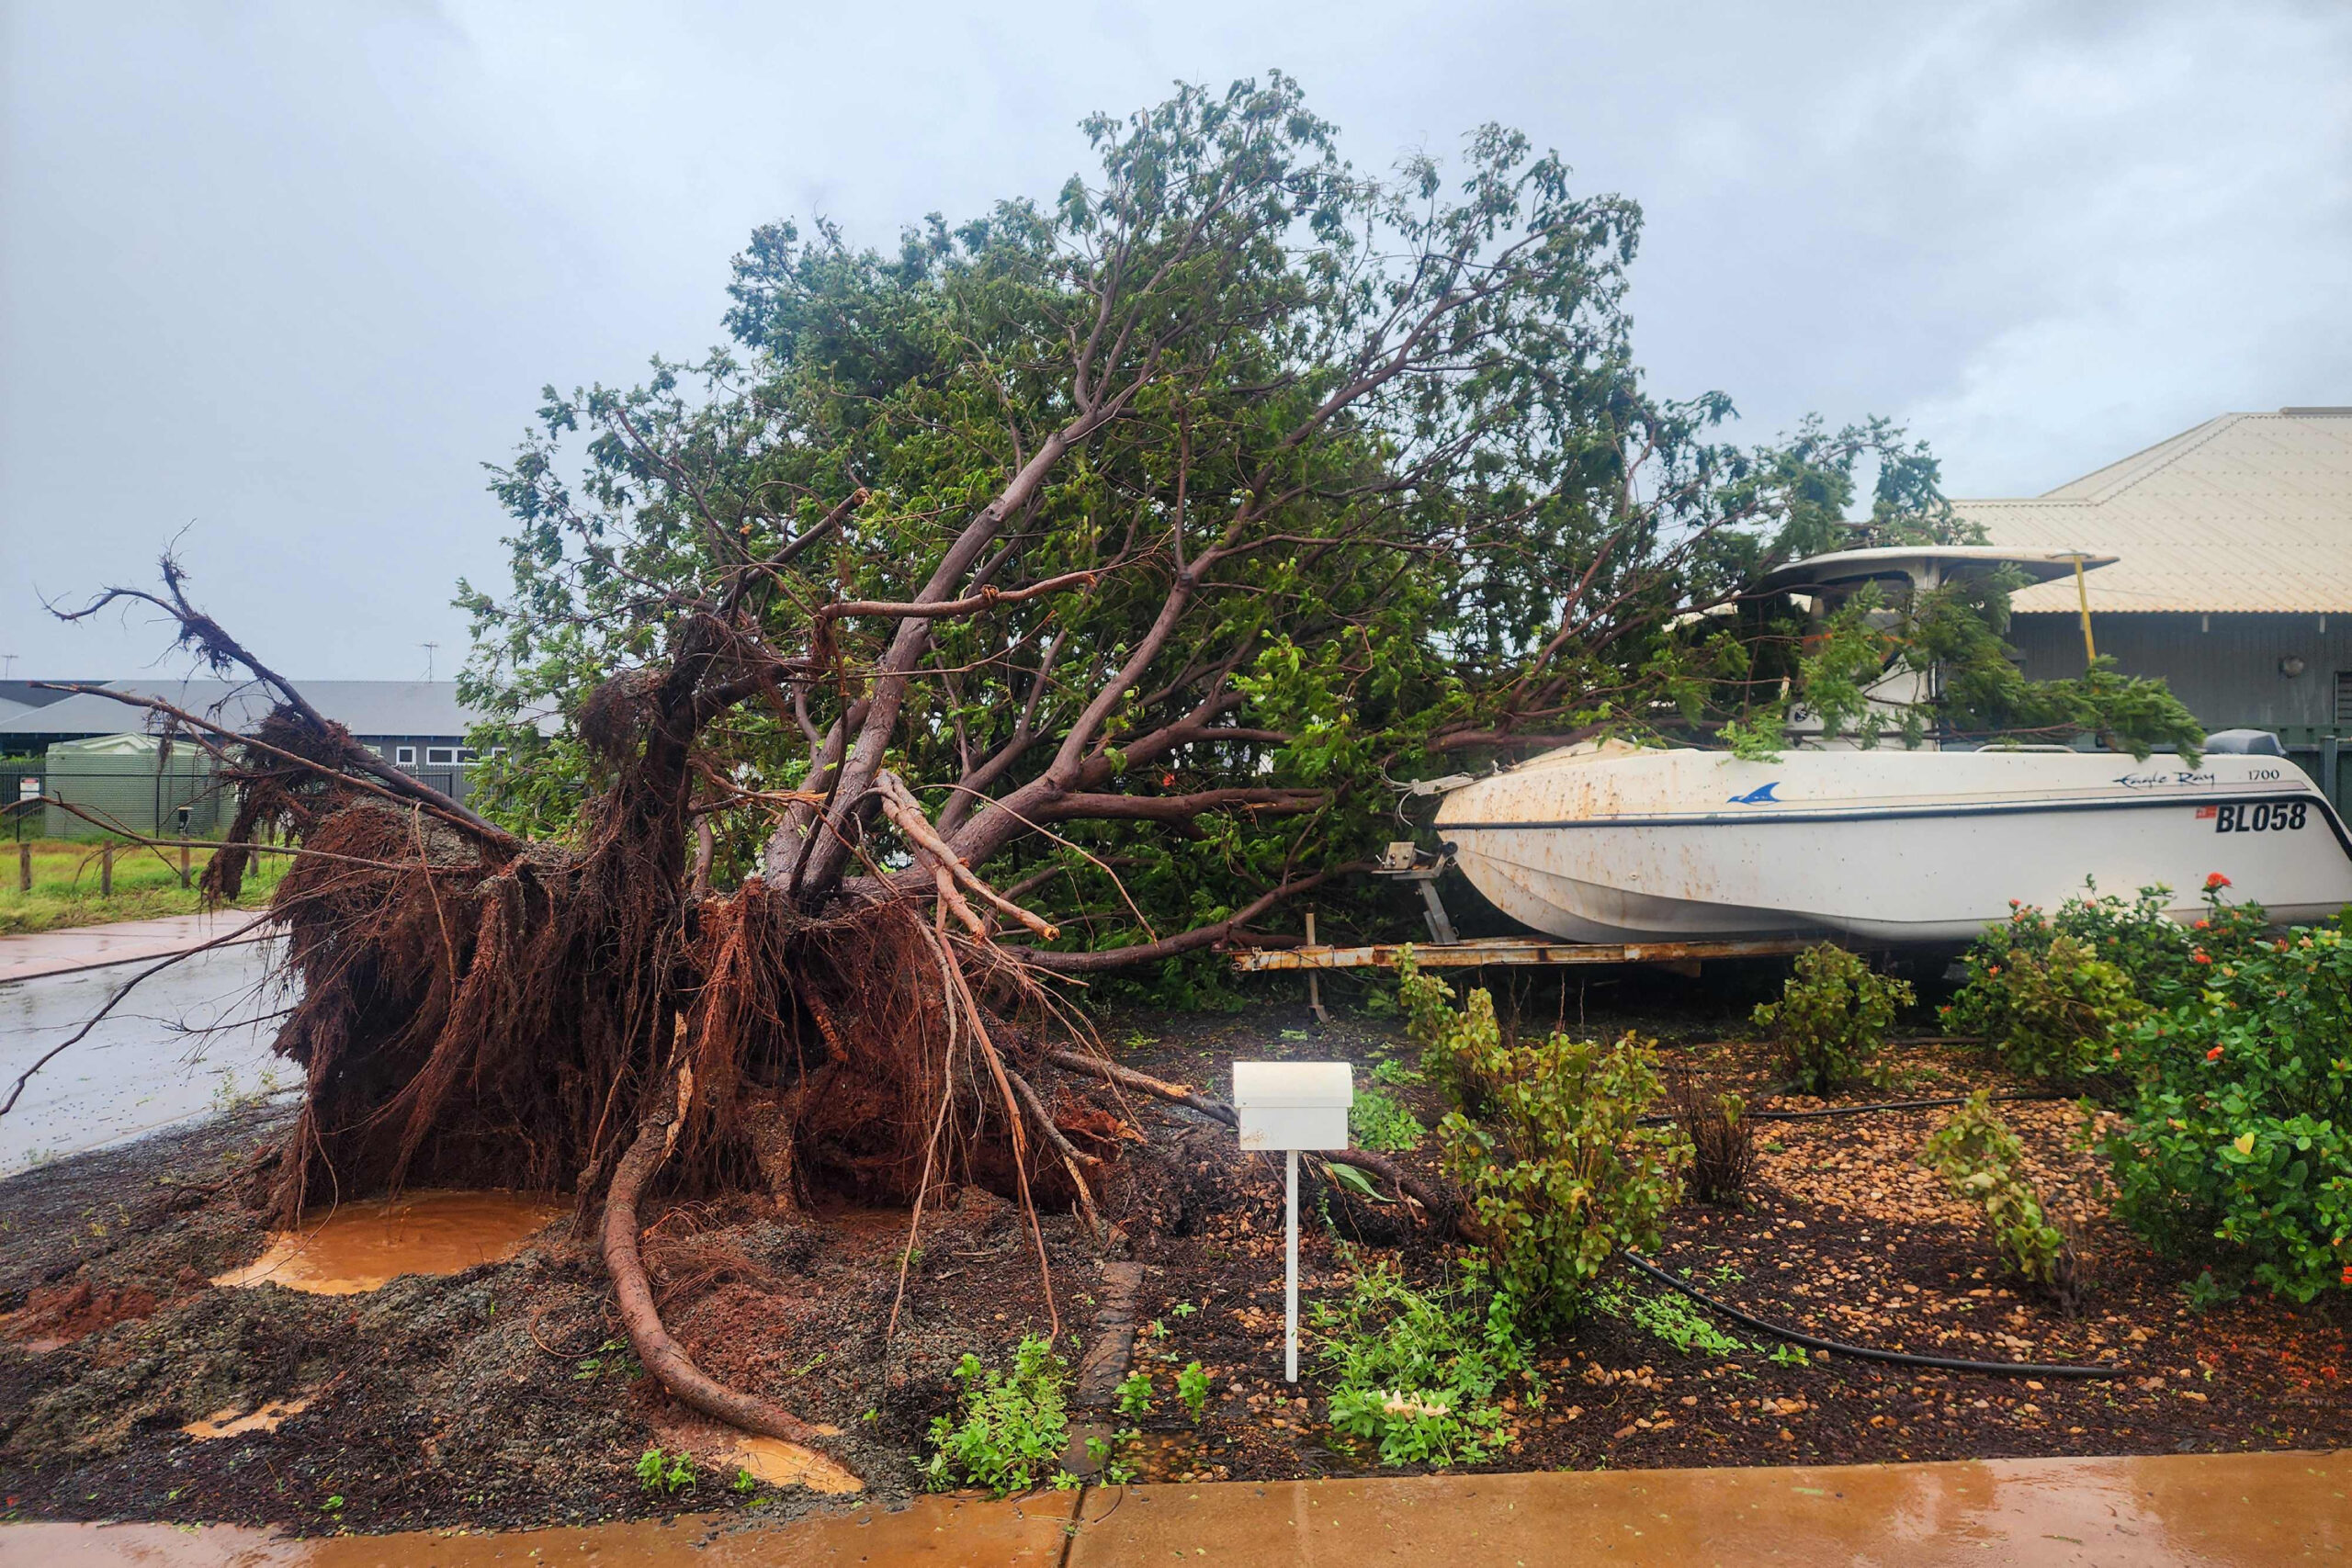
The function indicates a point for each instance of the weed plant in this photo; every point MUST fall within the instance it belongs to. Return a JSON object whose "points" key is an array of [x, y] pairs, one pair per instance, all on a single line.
{"points": [[1377, 1121], [664, 1474], [1134, 1394], [1012, 1428], [1419, 1373], [1192, 1392], [1670, 1318]]}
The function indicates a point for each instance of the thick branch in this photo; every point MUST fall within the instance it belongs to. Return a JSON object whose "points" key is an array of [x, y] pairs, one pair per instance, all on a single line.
{"points": [[1183, 807], [1183, 942], [1463, 740], [987, 598], [946, 868]]}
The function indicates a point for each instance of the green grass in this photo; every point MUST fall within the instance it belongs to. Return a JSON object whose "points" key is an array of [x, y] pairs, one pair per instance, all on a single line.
{"points": [[146, 885]]}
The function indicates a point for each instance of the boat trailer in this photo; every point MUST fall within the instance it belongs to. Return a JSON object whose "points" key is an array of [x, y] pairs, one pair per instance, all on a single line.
{"points": [[1684, 956], [1405, 862]]}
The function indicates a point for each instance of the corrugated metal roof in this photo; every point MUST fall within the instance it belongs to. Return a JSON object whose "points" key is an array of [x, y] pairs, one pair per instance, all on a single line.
{"points": [[365, 707], [2249, 511]]}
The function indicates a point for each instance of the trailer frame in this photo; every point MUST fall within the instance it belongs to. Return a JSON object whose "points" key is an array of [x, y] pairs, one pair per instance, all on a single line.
{"points": [[1683, 957]]}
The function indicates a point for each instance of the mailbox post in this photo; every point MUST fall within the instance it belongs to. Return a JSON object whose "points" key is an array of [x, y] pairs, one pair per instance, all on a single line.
{"points": [[1292, 1106]]}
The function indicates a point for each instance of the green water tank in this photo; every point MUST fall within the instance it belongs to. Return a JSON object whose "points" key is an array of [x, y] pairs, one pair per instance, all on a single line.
{"points": [[131, 782]]}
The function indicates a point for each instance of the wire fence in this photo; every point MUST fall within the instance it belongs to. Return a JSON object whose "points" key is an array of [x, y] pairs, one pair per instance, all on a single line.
{"points": [[181, 795]]}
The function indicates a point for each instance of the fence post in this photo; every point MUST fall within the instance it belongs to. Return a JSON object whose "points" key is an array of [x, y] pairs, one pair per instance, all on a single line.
{"points": [[106, 870]]}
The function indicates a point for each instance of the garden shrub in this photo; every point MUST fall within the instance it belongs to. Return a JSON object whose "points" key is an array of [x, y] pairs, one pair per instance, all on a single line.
{"points": [[2055, 992], [1723, 1139], [2049, 1005], [1972, 1139], [1417, 1372], [1982, 1159], [1557, 1167], [1832, 1017], [2237, 1146], [1446, 1037], [1012, 1428]]}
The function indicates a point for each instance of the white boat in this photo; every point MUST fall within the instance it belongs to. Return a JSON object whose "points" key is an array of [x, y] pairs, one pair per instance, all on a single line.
{"points": [[1618, 843]]}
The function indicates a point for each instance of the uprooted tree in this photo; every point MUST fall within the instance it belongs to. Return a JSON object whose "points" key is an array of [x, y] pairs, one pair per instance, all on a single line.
{"points": [[1060, 596]]}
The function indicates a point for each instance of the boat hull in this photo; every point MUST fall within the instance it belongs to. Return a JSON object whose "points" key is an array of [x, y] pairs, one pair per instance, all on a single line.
{"points": [[1917, 848]]}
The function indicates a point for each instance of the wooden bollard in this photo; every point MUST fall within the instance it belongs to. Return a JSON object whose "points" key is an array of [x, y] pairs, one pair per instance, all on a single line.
{"points": [[105, 871], [1315, 978], [183, 865], [24, 867]]}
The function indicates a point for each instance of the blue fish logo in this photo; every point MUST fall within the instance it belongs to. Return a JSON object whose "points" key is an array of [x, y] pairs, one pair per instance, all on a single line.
{"points": [[1761, 796]]}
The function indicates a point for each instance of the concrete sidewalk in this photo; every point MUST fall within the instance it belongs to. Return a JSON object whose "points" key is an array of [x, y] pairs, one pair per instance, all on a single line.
{"points": [[2226, 1510], [77, 948], [2202, 1509]]}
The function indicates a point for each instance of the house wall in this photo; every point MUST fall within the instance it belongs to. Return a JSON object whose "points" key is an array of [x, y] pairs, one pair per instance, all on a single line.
{"points": [[2224, 668], [456, 782]]}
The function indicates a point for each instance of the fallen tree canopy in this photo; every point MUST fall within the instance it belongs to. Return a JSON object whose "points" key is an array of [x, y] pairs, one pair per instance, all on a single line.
{"points": [[1058, 596]]}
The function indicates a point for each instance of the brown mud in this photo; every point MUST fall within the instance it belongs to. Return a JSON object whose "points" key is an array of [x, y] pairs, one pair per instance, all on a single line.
{"points": [[504, 1395]]}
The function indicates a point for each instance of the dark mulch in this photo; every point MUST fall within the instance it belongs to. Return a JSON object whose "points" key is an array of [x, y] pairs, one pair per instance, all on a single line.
{"points": [[495, 1398]]}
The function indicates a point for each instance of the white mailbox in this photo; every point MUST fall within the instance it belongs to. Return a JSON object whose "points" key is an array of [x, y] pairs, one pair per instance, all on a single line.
{"points": [[1293, 1105]]}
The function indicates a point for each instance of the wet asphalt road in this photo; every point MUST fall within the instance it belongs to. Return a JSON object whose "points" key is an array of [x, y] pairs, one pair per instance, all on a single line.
{"points": [[183, 1043]]}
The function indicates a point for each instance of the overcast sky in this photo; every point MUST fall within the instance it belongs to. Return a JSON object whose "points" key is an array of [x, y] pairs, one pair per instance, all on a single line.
{"points": [[286, 275]]}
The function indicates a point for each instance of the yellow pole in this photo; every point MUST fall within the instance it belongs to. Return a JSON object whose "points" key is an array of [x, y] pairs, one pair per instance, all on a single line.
{"points": [[2082, 598]]}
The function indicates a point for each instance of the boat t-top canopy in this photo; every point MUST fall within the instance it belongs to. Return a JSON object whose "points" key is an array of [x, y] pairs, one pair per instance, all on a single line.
{"points": [[1927, 565]]}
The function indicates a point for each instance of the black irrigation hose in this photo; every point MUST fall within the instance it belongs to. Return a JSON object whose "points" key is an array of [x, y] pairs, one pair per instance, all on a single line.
{"points": [[1897, 1358], [1904, 1105], [2014, 1094]]}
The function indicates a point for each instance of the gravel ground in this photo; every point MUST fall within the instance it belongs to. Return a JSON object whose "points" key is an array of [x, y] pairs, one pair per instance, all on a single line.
{"points": [[503, 1396]]}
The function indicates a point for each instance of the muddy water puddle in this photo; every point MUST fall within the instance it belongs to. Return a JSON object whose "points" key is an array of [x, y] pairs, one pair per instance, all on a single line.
{"points": [[780, 1463], [361, 1247], [231, 1423], [772, 1460]]}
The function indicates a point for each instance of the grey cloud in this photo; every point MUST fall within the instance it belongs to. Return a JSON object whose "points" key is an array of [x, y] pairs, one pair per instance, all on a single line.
{"points": [[295, 271]]}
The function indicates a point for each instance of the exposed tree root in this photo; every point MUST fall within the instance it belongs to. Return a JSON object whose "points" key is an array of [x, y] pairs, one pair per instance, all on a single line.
{"points": [[480, 1010], [662, 1355]]}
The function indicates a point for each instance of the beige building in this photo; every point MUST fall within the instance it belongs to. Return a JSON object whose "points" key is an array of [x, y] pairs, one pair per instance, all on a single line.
{"points": [[2234, 576]]}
